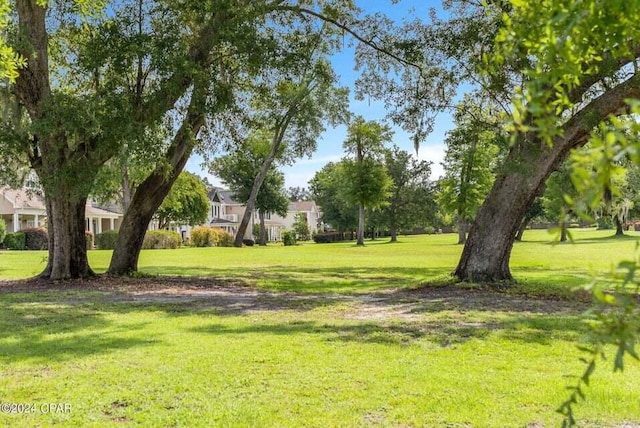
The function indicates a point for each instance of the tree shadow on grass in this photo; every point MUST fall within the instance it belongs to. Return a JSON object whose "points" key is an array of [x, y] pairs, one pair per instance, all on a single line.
{"points": [[542, 330], [46, 332], [314, 280]]}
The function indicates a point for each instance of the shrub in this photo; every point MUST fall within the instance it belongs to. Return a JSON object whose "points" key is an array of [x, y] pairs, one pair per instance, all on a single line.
{"points": [[89, 237], [323, 238], [36, 238], [200, 237], [430, 230], [211, 237], [161, 239], [289, 238], [225, 239], [248, 242], [107, 240], [3, 230], [15, 241]]}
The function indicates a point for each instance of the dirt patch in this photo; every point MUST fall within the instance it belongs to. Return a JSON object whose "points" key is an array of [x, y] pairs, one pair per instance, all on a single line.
{"points": [[230, 296]]}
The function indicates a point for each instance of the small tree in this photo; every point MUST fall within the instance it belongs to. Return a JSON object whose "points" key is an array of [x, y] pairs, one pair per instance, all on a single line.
{"points": [[301, 227], [186, 203], [369, 182]]}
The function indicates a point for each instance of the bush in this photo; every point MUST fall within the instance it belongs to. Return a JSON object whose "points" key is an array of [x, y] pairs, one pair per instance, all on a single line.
{"points": [[225, 239], [161, 239], [289, 238], [107, 240], [324, 238], [211, 237], [248, 242], [430, 230], [3, 230], [89, 237], [15, 241], [36, 238]]}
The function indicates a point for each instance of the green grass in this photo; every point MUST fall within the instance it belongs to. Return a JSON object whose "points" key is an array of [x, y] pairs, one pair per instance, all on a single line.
{"points": [[321, 361], [536, 263]]}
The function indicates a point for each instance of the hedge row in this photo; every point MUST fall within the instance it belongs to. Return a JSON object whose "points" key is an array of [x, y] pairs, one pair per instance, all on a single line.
{"points": [[324, 238]]}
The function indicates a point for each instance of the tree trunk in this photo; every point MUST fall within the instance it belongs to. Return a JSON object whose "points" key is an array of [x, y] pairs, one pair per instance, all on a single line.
{"points": [[263, 232], [151, 192], [257, 183], [486, 254], [360, 233], [67, 240], [521, 229], [619, 228], [394, 233], [462, 231], [563, 231], [485, 257]]}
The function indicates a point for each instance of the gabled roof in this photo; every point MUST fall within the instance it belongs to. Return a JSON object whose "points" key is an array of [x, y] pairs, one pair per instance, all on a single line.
{"points": [[218, 194], [222, 221], [308, 206], [23, 199]]}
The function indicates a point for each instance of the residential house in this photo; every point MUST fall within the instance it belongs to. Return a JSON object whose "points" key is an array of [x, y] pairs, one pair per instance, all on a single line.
{"points": [[24, 208], [226, 213]]}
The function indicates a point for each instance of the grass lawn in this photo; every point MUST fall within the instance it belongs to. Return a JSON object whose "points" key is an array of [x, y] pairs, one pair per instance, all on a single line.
{"points": [[320, 335]]}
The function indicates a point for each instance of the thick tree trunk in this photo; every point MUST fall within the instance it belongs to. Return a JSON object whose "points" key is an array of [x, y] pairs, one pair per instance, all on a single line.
{"points": [[67, 240], [263, 232], [151, 192], [360, 233], [486, 254], [462, 231]]}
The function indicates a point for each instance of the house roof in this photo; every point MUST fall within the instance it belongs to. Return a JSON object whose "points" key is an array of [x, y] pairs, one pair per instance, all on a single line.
{"points": [[23, 199], [91, 211], [218, 194], [223, 222], [303, 206]]}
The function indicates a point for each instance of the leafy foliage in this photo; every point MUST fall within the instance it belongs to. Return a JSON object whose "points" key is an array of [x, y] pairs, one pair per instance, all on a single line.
{"points": [[3, 229], [107, 240], [301, 228], [289, 238], [186, 203], [36, 238], [15, 241], [328, 190]]}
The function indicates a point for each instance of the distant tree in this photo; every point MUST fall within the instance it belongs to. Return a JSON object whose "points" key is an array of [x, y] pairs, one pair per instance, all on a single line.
{"points": [[368, 182], [298, 194], [411, 200], [238, 171], [470, 162], [536, 210], [559, 188], [186, 203], [328, 190]]}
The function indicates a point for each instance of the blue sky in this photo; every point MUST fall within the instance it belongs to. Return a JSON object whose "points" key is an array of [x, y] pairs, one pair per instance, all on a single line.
{"points": [[330, 143]]}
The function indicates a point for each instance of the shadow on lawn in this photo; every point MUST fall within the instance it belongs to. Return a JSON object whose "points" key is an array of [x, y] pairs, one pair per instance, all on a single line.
{"points": [[539, 330], [313, 280], [49, 332]]}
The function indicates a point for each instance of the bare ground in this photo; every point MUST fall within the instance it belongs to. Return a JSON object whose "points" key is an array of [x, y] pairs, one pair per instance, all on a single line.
{"points": [[231, 296]]}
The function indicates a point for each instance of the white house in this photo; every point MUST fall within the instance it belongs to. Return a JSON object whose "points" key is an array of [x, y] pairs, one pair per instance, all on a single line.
{"points": [[226, 213], [24, 208]]}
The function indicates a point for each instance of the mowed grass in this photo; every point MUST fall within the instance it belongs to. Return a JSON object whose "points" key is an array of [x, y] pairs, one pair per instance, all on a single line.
{"points": [[536, 263], [419, 359]]}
